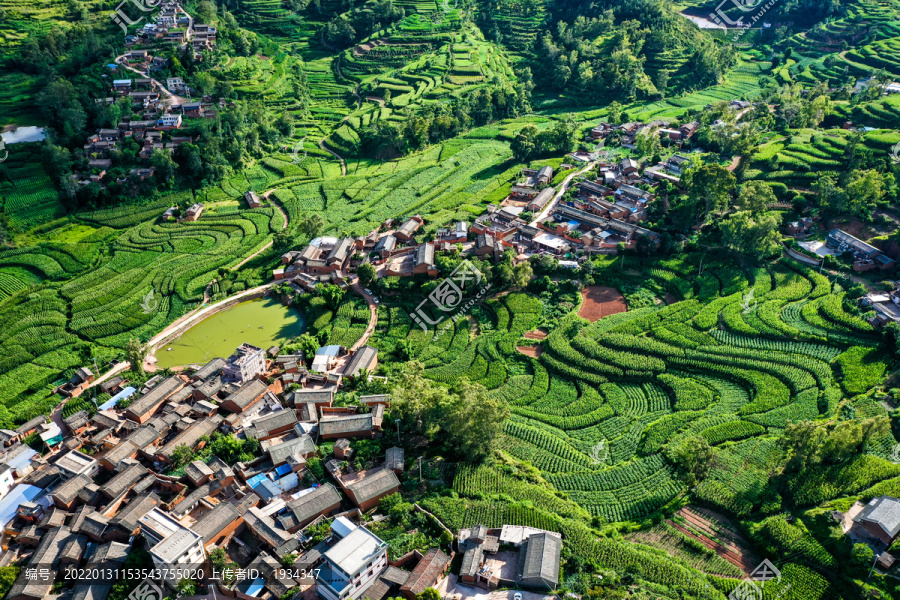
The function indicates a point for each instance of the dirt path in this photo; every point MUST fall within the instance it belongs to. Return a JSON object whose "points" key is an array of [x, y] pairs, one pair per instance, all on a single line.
{"points": [[338, 156], [176, 100], [735, 161], [562, 190], [373, 316]]}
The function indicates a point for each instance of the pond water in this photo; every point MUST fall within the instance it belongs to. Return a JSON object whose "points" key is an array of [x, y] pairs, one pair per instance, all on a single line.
{"points": [[264, 322], [23, 134]]}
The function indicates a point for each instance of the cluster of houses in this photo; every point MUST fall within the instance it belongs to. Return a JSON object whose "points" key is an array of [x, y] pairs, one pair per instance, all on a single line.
{"points": [[106, 477], [173, 25], [629, 132], [602, 215]]}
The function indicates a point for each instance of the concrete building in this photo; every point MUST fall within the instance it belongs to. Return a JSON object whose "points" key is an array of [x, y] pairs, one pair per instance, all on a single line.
{"points": [[352, 563]]}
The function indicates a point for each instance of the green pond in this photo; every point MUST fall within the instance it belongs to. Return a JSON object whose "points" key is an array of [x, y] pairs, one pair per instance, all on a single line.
{"points": [[264, 322]]}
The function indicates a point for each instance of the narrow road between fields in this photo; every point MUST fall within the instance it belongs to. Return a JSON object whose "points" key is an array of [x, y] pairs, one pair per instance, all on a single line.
{"points": [[338, 156], [373, 315]]}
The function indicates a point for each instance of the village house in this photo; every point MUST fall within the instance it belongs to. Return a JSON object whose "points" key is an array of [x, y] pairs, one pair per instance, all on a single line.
{"points": [[351, 563], [406, 231], [193, 213], [866, 257], [252, 199]]}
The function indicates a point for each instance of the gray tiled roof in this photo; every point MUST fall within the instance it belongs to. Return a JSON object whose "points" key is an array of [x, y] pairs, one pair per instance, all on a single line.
{"points": [[121, 451], [128, 518], [247, 394], [151, 399], [311, 505], [539, 560], [263, 426], [346, 425], [394, 458], [279, 453], [362, 359], [123, 480], [884, 512], [373, 485], [213, 522], [68, 490], [210, 368]]}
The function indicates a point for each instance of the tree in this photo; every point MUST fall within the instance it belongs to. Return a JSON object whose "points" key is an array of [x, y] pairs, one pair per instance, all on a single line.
{"points": [[475, 420], [181, 455], [311, 225], [186, 587], [694, 456], [165, 167], [756, 196], [614, 113], [524, 145], [709, 188], [366, 273], [429, 594], [647, 143], [829, 196], [865, 190], [862, 555], [134, 350], [522, 274], [756, 235], [332, 294]]}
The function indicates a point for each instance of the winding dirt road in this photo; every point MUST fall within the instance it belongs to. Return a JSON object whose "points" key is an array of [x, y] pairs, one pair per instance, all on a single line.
{"points": [[562, 190], [338, 156]]}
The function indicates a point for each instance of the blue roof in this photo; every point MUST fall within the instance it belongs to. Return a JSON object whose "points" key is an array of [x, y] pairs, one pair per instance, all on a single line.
{"points": [[268, 489], [10, 503], [256, 480], [126, 393], [252, 588], [22, 460], [283, 469], [332, 350]]}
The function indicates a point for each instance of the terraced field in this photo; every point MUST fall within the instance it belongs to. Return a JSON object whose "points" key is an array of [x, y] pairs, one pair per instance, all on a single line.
{"points": [[84, 308]]}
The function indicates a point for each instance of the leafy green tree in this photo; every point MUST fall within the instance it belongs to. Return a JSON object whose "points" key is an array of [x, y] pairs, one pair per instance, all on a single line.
{"points": [[311, 225], [647, 143], [829, 196], [366, 273], [693, 456], [429, 594], [709, 189], [186, 587], [756, 196], [756, 235], [182, 455], [332, 294], [862, 555], [134, 350], [524, 145], [864, 191]]}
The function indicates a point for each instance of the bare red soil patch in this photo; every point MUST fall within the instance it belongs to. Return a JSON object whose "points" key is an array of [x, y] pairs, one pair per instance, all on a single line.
{"points": [[601, 302], [537, 334], [715, 531], [532, 351]]}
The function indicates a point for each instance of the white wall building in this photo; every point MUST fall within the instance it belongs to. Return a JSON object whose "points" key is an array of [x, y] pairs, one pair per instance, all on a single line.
{"points": [[352, 563]]}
